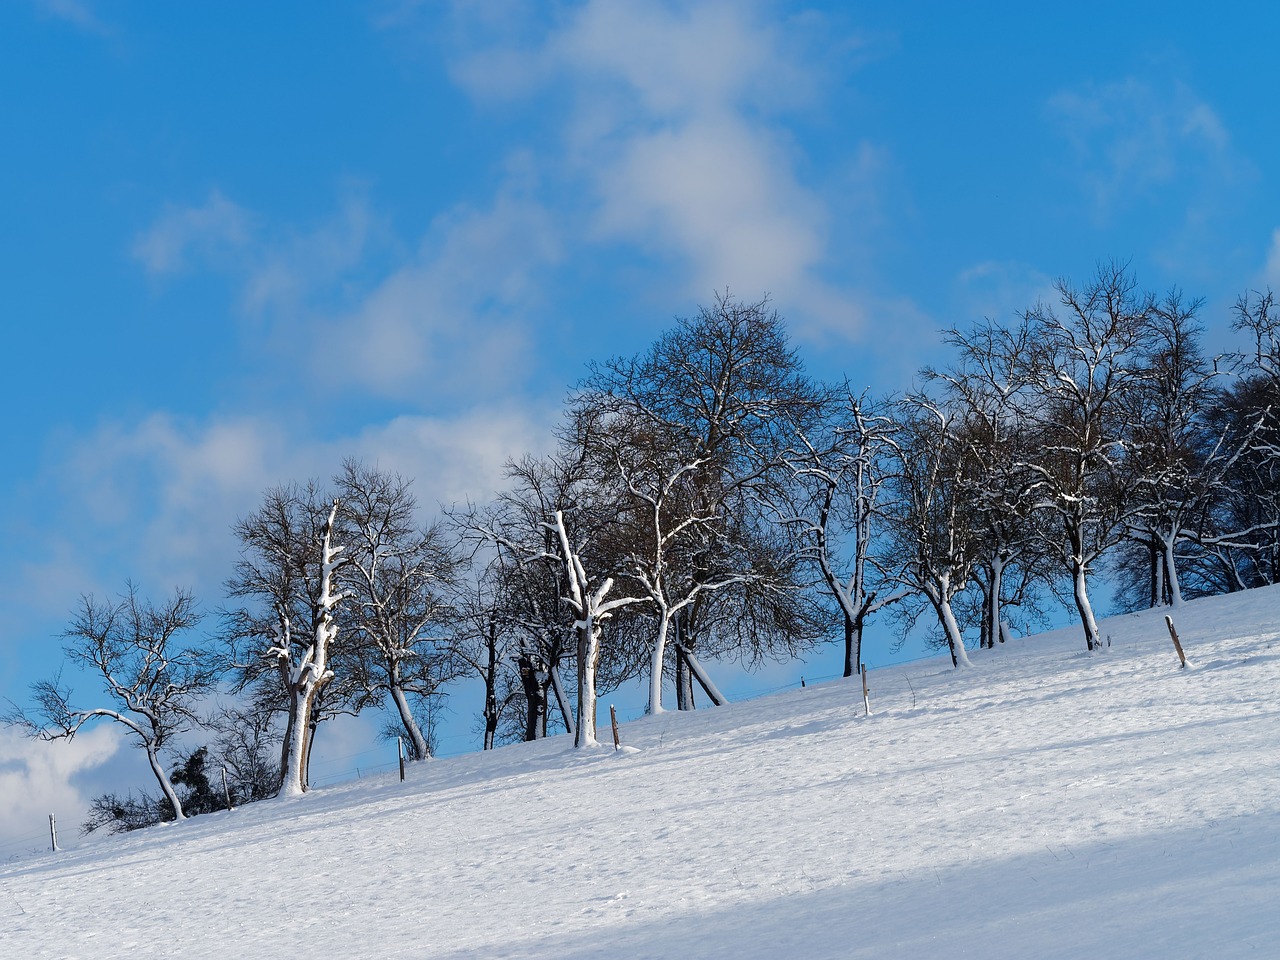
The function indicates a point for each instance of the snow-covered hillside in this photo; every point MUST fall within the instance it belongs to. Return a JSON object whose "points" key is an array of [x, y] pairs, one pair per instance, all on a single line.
{"points": [[1046, 803]]}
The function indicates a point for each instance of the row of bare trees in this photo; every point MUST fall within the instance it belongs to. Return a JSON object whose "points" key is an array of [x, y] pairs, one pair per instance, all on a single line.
{"points": [[707, 501]]}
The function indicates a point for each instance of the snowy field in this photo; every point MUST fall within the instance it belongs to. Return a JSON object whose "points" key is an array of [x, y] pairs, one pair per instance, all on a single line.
{"points": [[1046, 803]]}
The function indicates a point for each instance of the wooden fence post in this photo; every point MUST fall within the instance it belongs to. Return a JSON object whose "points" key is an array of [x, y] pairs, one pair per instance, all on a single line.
{"points": [[400, 751], [1182, 657], [53, 832], [866, 702], [613, 715]]}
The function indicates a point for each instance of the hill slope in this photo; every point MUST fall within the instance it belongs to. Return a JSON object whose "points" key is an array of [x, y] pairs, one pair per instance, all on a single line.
{"points": [[1045, 803]]}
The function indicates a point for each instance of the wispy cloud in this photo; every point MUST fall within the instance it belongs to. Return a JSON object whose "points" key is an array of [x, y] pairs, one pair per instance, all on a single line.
{"points": [[455, 312], [999, 289], [1132, 137], [212, 232], [78, 13], [458, 315], [1271, 273]]}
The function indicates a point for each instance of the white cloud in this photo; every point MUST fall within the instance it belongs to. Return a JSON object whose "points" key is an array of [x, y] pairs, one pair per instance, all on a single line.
{"points": [[38, 779], [155, 500], [687, 61], [676, 129], [455, 321], [451, 319], [213, 230]]}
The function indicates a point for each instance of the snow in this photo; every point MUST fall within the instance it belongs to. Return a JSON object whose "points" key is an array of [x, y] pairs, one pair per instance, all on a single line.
{"points": [[1045, 803]]}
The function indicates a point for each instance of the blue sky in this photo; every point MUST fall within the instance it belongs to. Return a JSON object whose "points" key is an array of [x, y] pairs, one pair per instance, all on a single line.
{"points": [[242, 241]]}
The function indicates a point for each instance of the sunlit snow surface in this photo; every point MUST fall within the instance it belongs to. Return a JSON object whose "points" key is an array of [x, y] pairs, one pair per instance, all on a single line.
{"points": [[1046, 803]]}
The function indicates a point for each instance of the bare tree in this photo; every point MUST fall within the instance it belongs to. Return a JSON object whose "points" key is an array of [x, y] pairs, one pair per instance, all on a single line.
{"points": [[288, 565], [838, 468], [1180, 461], [1083, 366], [549, 529], [528, 581], [689, 430], [152, 676], [248, 749], [397, 578], [984, 387], [929, 526]]}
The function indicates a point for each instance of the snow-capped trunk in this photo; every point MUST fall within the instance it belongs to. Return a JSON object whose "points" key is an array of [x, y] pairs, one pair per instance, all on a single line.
{"points": [[1080, 590], [590, 608], [490, 689], [295, 748], [704, 681]]}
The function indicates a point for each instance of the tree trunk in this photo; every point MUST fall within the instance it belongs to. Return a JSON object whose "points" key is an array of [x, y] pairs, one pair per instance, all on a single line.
{"points": [[704, 681], [684, 676], [562, 701], [296, 752], [939, 595], [417, 742], [1080, 590], [534, 700], [850, 656], [1171, 573], [588, 658], [163, 779], [993, 601], [491, 687], [656, 660]]}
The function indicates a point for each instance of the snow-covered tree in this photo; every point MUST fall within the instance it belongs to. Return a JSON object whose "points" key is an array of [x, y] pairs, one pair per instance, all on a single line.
{"points": [[152, 677]]}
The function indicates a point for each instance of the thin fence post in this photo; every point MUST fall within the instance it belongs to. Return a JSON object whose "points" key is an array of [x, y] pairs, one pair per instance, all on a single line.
{"points": [[1182, 657], [613, 715], [226, 791], [802, 683], [53, 832], [866, 702], [400, 751]]}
